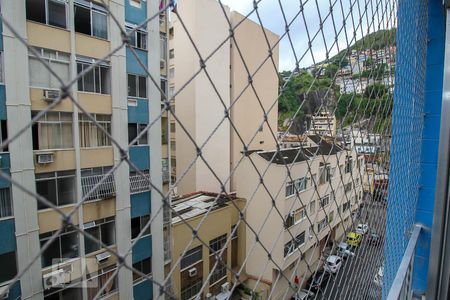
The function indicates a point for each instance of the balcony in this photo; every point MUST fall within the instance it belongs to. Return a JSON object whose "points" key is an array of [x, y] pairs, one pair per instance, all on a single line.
{"points": [[97, 187], [139, 183]]}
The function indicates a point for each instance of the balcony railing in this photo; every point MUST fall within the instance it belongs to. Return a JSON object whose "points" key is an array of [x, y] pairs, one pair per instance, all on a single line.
{"points": [[167, 252], [103, 190], [139, 183], [402, 286]]}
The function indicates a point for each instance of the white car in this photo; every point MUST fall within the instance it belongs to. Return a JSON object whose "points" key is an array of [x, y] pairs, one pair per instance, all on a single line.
{"points": [[345, 250], [333, 263], [362, 228], [303, 294]]}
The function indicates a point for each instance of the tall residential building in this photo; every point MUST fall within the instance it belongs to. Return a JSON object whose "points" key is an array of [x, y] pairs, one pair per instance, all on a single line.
{"points": [[64, 155], [323, 123], [200, 105]]}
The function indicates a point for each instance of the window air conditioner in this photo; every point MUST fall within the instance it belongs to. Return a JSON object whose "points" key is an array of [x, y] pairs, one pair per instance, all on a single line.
{"points": [[102, 257], [45, 158], [51, 95], [225, 287], [54, 279], [192, 272], [162, 63]]}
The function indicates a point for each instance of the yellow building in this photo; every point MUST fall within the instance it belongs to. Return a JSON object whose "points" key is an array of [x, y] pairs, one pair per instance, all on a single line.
{"points": [[217, 235]]}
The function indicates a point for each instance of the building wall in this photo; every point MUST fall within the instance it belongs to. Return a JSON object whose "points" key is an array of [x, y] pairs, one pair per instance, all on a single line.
{"points": [[246, 113], [197, 105]]}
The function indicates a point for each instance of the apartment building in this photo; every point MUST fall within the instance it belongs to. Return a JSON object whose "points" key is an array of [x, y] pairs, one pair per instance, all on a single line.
{"points": [[323, 123], [197, 260], [64, 155], [200, 105], [312, 219]]}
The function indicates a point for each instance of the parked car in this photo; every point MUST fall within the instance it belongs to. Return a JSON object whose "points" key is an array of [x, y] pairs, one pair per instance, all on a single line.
{"points": [[345, 250], [378, 279], [303, 294], [362, 228], [333, 263], [354, 239], [318, 281], [374, 238]]}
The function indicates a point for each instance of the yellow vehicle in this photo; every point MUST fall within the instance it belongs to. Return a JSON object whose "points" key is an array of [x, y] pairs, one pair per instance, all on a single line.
{"points": [[354, 239]]}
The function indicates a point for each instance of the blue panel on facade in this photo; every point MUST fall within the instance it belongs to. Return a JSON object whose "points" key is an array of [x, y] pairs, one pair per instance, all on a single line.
{"points": [[143, 290], [140, 204], [7, 234], [142, 249], [133, 65], [139, 113], [140, 157], [2, 102], [4, 166], [135, 15]]}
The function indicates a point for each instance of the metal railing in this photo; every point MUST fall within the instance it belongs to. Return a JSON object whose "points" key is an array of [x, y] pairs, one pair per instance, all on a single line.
{"points": [[401, 288], [95, 187], [140, 183]]}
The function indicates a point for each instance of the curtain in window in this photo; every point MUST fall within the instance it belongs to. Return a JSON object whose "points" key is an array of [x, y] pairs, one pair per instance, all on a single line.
{"points": [[39, 75], [99, 27]]}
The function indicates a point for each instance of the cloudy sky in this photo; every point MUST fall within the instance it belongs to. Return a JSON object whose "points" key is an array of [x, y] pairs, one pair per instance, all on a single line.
{"points": [[272, 18]]}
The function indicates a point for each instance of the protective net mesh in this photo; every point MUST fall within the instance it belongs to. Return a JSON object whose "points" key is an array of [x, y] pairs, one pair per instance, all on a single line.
{"points": [[278, 150]]}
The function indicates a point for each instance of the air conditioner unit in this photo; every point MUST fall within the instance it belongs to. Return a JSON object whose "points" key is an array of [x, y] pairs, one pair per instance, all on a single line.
{"points": [[225, 287], [51, 95], [54, 279], [192, 272], [45, 158], [162, 63], [102, 257]]}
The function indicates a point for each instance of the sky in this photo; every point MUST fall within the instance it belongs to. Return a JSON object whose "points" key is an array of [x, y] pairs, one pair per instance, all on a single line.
{"points": [[272, 19]]}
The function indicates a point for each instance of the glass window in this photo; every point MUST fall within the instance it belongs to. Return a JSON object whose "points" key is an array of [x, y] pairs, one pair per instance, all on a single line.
{"points": [[91, 19], [53, 131], [191, 257], [63, 247], [144, 266], [6, 209], [91, 135], [134, 130], [40, 75], [138, 38], [96, 80], [102, 230], [50, 12], [137, 224], [217, 244], [137, 86], [9, 266]]}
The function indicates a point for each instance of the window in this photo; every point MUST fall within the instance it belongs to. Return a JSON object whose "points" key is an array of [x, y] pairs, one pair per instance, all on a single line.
{"points": [[102, 230], [137, 86], [9, 266], [164, 88], [348, 164], [53, 131], [50, 12], [172, 72], [143, 266], [322, 224], [136, 3], [217, 244], [312, 207], [65, 246], [171, 92], [192, 289], [134, 130], [295, 217], [171, 53], [299, 184], [345, 206], [101, 280], [325, 201], [57, 187], [97, 80], [137, 224], [6, 209], [293, 245], [90, 19], [91, 135], [331, 217], [191, 257], [163, 46], [40, 75], [348, 187], [324, 173]]}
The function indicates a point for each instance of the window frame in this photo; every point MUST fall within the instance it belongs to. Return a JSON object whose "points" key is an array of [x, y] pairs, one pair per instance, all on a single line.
{"points": [[137, 80], [142, 223], [44, 237], [99, 224], [294, 244], [191, 253], [321, 200], [88, 4], [297, 185], [60, 124], [57, 176], [58, 58], [143, 140], [46, 8], [9, 211], [135, 36], [86, 63], [321, 225], [106, 124]]}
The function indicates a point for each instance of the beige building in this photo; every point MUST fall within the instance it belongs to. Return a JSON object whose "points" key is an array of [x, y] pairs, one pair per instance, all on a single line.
{"points": [[197, 260], [311, 220], [201, 104], [323, 123]]}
